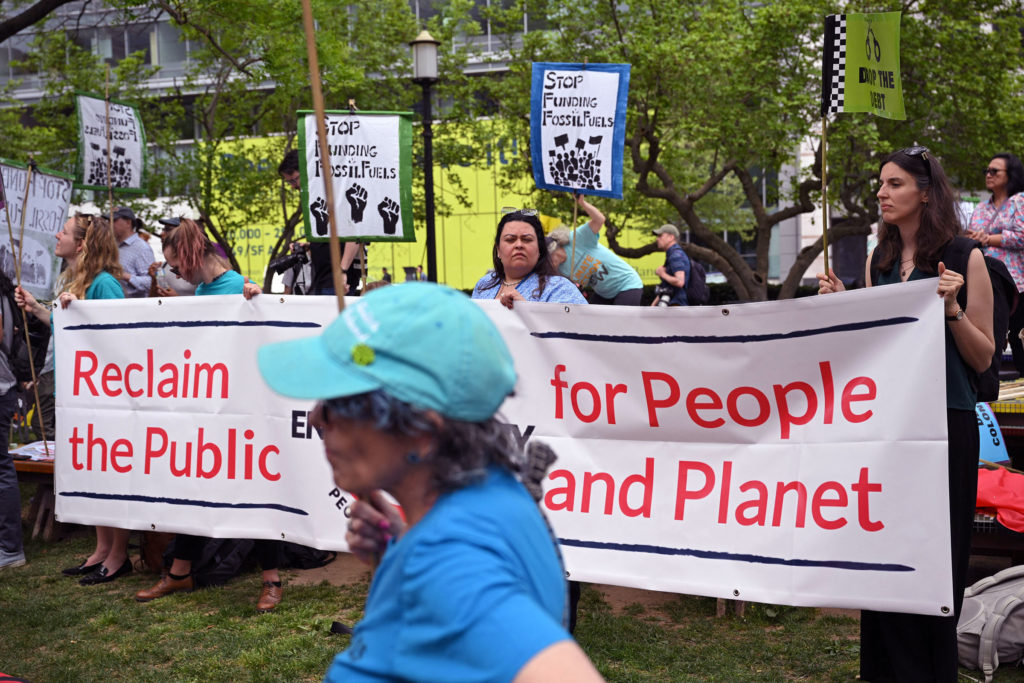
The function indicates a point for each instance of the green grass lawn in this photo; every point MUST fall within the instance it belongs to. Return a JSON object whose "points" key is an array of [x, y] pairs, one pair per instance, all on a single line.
{"points": [[56, 630]]}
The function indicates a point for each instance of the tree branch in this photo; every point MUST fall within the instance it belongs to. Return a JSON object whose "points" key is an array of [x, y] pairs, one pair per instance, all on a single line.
{"points": [[181, 19], [29, 17]]}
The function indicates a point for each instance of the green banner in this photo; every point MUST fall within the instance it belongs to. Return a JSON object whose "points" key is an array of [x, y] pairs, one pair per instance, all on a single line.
{"points": [[873, 65]]}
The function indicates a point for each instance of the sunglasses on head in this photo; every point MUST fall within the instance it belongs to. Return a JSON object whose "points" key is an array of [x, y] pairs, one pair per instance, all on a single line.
{"points": [[506, 210], [916, 151], [993, 171]]}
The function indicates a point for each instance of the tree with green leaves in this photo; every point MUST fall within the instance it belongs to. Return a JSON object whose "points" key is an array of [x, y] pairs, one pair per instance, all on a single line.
{"points": [[721, 91]]}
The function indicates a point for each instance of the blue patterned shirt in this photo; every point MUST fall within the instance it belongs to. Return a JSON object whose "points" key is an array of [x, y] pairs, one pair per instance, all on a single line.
{"points": [[136, 257], [556, 289]]}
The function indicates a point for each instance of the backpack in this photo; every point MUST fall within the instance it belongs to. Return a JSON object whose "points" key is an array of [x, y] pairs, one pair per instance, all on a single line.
{"points": [[990, 629], [697, 293], [222, 559], [18, 353], [295, 556], [1004, 300]]}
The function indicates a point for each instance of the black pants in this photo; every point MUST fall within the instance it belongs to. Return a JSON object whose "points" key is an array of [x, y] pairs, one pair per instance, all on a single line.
{"points": [[627, 297], [190, 548], [918, 647]]}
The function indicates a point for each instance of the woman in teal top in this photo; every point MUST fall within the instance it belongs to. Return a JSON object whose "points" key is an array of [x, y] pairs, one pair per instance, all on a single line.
{"points": [[93, 271], [193, 257], [918, 221]]}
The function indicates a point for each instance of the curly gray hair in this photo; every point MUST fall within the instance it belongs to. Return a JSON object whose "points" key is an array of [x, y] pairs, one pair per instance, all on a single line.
{"points": [[463, 450]]}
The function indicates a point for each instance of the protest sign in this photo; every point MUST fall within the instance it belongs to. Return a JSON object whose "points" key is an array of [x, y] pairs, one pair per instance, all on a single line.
{"points": [[123, 154], [578, 126], [861, 65], [371, 164], [789, 452], [45, 213]]}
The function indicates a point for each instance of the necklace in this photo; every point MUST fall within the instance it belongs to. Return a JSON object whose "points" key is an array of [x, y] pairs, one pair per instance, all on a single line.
{"points": [[904, 271], [506, 283]]}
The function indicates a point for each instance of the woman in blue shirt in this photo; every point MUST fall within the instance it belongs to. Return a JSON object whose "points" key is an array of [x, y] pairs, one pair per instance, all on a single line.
{"points": [[522, 270], [88, 246], [470, 585]]}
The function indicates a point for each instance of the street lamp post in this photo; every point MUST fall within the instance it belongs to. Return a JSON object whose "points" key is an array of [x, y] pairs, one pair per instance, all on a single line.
{"points": [[424, 72]]}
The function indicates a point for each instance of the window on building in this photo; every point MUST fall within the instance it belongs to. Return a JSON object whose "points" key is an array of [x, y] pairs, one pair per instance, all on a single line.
{"points": [[109, 44], [142, 38], [172, 53]]}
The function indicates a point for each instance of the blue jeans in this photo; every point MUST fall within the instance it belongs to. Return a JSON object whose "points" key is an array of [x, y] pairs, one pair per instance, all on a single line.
{"points": [[10, 496]]}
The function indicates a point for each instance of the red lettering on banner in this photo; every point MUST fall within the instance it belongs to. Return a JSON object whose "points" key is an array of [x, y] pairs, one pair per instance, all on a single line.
{"points": [[184, 380], [587, 408], [564, 497], [849, 397], [753, 511], [751, 407]]}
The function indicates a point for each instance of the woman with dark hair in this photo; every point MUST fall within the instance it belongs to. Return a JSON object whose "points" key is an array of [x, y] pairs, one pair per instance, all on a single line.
{"points": [[918, 222], [470, 585], [88, 246], [522, 270], [998, 223]]}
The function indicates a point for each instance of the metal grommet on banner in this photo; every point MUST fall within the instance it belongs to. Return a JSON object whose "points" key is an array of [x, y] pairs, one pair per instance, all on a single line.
{"points": [[281, 299], [282, 535], [159, 302], [725, 311], [735, 593], [566, 309], [945, 609], [153, 527]]}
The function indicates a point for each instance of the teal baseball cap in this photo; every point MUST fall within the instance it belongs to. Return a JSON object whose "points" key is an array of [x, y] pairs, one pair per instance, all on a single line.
{"points": [[425, 344]]}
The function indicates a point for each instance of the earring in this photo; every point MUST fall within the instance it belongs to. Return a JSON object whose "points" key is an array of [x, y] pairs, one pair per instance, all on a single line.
{"points": [[413, 458]]}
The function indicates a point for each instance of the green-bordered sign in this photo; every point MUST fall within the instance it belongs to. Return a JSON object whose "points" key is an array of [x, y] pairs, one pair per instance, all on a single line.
{"points": [[371, 167], [861, 65], [38, 201], [111, 145]]}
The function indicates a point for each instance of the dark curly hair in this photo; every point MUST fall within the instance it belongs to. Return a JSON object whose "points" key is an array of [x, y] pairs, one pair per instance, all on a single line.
{"points": [[939, 224], [542, 268]]}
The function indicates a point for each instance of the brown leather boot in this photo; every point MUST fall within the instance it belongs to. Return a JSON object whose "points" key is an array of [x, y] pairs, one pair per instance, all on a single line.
{"points": [[270, 595], [165, 586]]}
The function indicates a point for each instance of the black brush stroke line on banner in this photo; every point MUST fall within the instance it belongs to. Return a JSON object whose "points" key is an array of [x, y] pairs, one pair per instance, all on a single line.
{"points": [[183, 501], [739, 338], [737, 557], [192, 323]]}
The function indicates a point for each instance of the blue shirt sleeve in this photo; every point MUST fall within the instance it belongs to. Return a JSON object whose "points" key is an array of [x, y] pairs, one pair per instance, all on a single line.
{"points": [[557, 289], [104, 286]]}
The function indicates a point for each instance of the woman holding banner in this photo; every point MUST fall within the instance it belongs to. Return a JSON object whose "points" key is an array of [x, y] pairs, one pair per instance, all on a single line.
{"points": [[522, 269], [88, 246], [470, 584], [918, 223], [193, 257], [998, 223]]}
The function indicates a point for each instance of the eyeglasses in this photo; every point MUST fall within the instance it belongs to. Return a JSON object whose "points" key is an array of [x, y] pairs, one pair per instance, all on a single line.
{"points": [[993, 171], [174, 269], [506, 210]]}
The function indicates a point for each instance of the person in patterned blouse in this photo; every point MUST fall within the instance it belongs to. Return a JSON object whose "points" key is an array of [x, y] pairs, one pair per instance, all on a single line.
{"points": [[998, 223]]}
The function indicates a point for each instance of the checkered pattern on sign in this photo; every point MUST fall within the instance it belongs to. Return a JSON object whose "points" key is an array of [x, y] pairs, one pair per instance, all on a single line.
{"points": [[834, 65]]}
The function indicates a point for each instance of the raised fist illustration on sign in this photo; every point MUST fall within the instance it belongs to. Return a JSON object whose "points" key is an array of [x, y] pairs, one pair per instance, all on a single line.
{"points": [[388, 210], [356, 196], [319, 211]]}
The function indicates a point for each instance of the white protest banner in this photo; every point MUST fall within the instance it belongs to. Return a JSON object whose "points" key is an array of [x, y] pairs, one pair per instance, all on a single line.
{"points": [[371, 164], [786, 452], [45, 212], [126, 159], [578, 126]]}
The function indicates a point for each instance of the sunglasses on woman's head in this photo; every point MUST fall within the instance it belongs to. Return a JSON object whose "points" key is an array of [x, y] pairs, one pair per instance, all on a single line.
{"points": [[506, 210], [916, 151]]}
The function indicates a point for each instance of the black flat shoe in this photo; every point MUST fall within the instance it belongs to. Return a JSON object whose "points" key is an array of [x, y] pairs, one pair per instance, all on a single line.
{"points": [[82, 569], [101, 575]]}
